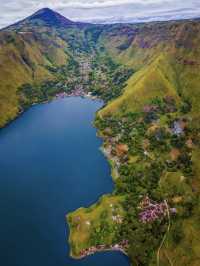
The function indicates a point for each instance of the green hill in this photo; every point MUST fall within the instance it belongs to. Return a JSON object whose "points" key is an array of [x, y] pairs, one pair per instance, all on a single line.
{"points": [[24, 59], [165, 57]]}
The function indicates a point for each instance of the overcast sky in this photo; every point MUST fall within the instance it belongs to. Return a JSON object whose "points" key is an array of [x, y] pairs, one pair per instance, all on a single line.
{"points": [[102, 10]]}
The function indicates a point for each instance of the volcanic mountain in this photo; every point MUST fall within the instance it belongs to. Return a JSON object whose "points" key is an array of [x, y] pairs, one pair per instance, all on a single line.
{"points": [[46, 17]]}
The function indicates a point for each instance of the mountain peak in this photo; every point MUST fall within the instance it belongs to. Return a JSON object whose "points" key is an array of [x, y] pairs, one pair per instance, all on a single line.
{"points": [[50, 18], [44, 10], [46, 17]]}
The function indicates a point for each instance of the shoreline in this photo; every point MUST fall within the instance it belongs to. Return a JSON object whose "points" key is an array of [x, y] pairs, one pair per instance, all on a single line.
{"points": [[102, 149], [118, 247], [99, 251], [55, 97], [76, 93]]}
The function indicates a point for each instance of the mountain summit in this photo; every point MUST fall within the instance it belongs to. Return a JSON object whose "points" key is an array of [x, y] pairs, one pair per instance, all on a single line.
{"points": [[45, 17], [50, 18]]}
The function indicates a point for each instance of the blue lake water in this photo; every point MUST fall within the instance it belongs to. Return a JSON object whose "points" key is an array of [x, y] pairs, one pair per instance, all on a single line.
{"points": [[50, 164]]}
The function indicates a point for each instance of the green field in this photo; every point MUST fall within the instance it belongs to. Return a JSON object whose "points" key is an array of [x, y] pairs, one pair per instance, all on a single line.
{"points": [[96, 225]]}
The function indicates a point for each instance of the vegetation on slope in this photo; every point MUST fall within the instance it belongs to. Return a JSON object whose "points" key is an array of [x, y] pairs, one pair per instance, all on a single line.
{"points": [[152, 153], [24, 59], [151, 139], [94, 226]]}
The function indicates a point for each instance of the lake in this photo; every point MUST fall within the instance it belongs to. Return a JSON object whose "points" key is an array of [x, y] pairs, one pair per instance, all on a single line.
{"points": [[50, 164]]}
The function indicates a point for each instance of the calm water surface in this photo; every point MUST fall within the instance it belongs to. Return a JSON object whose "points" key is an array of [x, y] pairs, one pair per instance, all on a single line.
{"points": [[50, 164]]}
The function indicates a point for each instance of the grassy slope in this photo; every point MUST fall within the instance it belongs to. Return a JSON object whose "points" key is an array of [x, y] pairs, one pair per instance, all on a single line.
{"points": [[155, 79], [162, 69], [23, 60], [84, 221], [157, 55]]}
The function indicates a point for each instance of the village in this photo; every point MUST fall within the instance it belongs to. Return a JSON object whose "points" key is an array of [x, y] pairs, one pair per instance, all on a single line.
{"points": [[122, 246], [151, 210], [77, 92]]}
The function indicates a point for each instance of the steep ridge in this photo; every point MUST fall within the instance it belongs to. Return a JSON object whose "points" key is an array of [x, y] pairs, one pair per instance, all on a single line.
{"points": [[167, 51], [24, 59]]}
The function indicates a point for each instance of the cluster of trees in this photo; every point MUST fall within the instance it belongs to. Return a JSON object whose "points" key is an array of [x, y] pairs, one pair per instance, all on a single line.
{"points": [[101, 233], [29, 94], [67, 77], [107, 78]]}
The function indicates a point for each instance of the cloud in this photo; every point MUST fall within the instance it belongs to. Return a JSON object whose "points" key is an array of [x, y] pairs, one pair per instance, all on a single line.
{"points": [[91, 4], [109, 11]]}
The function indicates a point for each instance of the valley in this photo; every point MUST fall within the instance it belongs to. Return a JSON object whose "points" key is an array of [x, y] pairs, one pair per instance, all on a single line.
{"points": [[147, 74]]}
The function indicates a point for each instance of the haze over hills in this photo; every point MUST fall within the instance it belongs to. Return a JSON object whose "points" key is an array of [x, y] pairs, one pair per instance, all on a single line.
{"points": [[129, 66]]}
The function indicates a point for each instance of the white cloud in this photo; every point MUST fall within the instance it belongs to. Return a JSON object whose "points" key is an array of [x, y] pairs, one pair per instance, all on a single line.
{"points": [[101, 3], [102, 10]]}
